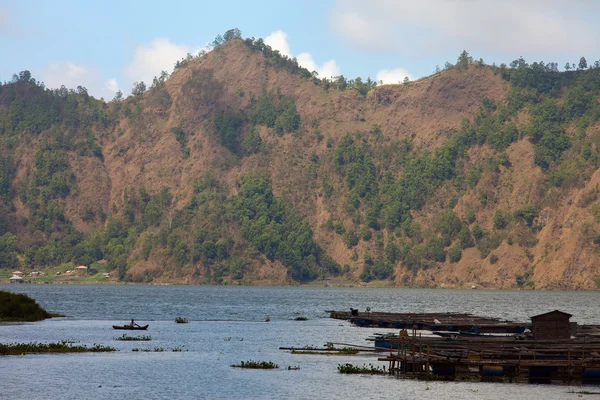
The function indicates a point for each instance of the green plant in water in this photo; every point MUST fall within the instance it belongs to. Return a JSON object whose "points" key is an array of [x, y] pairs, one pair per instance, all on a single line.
{"points": [[58, 347], [140, 338], [256, 365], [181, 320], [154, 350], [353, 369]]}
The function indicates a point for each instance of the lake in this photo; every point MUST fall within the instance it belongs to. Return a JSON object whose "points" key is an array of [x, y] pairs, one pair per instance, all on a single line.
{"points": [[227, 325]]}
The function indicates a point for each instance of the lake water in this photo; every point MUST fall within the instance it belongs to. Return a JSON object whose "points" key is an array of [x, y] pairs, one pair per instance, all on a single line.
{"points": [[227, 326]]}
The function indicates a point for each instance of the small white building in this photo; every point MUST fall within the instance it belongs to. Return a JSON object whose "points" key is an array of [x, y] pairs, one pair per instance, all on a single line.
{"points": [[16, 279]]}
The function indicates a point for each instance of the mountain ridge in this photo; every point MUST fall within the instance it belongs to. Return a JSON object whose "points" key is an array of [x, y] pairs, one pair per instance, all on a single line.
{"points": [[386, 180]]}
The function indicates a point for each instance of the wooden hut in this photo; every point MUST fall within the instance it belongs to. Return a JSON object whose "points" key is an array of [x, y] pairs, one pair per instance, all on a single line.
{"points": [[551, 325], [82, 270]]}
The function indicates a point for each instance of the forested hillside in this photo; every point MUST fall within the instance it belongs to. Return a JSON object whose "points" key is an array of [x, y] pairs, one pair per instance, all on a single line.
{"points": [[243, 167]]}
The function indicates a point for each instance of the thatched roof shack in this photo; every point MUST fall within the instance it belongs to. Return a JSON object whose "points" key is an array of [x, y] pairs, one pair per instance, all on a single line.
{"points": [[551, 325]]}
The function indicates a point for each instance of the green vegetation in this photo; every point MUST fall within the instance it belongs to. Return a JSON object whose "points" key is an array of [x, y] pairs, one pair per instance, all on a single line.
{"points": [[176, 349], [256, 365], [365, 369], [390, 201], [228, 125], [17, 349], [134, 338], [277, 231], [182, 139], [20, 307], [181, 320]]}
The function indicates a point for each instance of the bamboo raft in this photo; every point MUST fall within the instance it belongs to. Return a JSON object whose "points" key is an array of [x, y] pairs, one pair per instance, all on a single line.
{"points": [[451, 322]]}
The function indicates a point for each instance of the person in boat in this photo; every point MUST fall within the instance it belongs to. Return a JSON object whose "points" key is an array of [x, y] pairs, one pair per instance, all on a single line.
{"points": [[133, 324]]}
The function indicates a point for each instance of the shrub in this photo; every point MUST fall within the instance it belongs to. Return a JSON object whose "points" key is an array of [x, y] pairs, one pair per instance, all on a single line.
{"points": [[488, 243], [499, 220], [454, 253], [465, 238], [350, 239]]}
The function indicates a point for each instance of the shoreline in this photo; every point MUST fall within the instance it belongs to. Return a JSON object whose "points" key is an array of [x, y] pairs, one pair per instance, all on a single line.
{"points": [[321, 284]]}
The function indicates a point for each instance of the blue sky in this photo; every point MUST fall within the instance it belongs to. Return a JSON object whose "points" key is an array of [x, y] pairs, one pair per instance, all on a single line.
{"points": [[108, 45]]}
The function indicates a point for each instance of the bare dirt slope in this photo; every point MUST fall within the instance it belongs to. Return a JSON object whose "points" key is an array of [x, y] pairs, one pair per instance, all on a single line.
{"points": [[143, 151]]}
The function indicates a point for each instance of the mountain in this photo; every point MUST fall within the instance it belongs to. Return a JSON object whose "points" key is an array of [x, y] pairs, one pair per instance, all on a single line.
{"points": [[242, 167]]}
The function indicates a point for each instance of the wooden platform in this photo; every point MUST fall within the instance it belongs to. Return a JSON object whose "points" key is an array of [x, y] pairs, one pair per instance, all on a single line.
{"points": [[451, 322], [565, 361]]}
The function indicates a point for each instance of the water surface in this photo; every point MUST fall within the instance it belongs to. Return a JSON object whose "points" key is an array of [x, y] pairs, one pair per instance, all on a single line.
{"points": [[227, 326]]}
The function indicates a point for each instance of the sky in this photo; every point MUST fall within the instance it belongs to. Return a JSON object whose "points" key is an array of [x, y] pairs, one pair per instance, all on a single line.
{"points": [[108, 45]]}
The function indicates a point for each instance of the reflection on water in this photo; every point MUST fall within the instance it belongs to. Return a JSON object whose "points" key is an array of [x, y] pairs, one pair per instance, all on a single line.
{"points": [[227, 325]]}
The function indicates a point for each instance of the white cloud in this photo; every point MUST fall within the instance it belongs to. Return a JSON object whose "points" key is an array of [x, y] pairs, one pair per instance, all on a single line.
{"points": [[112, 85], [71, 75], [328, 69], [278, 41], [515, 26], [393, 75], [360, 29], [150, 59]]}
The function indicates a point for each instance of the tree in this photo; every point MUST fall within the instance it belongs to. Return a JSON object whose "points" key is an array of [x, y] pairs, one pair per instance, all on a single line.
{"points": [[465, 238], [567, 67], [138, 88], [118, 96], [232, 34], [464, 60], [406, 80], [582, 64]]}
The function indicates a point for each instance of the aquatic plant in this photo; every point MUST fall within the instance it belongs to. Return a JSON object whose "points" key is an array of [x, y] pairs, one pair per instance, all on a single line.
{"points": [[181, 320], [300, 319], [256, 365], [353, 369], [176, 349], [58, 347], [290, 368], [154, 350], [139, 338]]}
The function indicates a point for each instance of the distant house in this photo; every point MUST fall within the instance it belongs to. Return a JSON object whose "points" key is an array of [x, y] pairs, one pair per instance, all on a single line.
{"points": [[82, 269], [551, 325], [17, 273], [16, 279]]}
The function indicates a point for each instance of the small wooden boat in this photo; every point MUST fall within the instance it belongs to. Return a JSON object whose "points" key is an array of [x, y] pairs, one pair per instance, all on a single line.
{"points": [[131, 328]]}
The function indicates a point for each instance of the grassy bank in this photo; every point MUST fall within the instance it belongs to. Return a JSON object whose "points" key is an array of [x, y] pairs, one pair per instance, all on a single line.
{"points": [[20, 307]]}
